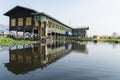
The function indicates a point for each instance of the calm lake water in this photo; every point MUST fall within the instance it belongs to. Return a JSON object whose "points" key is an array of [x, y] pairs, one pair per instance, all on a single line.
{"points": [[61, 61]]}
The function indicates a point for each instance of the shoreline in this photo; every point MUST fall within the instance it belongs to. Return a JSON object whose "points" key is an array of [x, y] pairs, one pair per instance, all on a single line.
{"points": [[6, 41]]}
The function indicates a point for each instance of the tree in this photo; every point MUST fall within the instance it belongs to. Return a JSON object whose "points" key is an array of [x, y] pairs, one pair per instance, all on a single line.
{"points": [[114, 34]]}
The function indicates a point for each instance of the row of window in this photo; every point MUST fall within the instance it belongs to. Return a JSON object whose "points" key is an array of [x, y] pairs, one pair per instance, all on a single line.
{"points": [[28, 21], [52, 25], [37, 24]]}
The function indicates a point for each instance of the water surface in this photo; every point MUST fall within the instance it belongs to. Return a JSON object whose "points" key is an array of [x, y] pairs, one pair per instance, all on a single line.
{"points": [[61, 61]]}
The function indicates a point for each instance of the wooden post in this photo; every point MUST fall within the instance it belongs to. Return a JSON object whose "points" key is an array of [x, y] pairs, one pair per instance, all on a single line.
{"points": [[16, 34], [24, 34], [39, 30], [9, 32]]}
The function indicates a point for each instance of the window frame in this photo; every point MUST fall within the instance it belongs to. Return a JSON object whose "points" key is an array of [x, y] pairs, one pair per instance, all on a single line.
{"points": [[20, 21], [28, 21], [13, 22]]}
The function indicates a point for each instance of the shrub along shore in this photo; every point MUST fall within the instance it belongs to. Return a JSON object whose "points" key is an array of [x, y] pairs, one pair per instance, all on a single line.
{"points": [[99, 40], [110, 40], [6, 41]]}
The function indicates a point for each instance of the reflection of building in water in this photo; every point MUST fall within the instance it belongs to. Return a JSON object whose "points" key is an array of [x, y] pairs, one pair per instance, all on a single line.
{"points": [[30, 57], [79, 47]]}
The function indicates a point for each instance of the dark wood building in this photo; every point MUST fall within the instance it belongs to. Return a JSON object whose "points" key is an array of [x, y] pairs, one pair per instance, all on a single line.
{"points": [[20, 19], [39, 24]]}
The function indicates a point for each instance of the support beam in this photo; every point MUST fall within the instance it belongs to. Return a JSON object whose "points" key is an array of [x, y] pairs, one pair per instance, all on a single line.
{"points": [[24, 34]]}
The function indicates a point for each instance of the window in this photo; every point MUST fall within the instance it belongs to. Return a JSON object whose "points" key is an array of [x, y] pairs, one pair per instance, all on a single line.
{"points": [[20, 21], [49, 24], [37, 18], [37, 23], [42, 24], [13, 22], [57, 26], [28, 21], [52, 25]]}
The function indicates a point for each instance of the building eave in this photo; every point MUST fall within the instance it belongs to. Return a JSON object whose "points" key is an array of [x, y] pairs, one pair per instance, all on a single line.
{"points": [[82, 28], [16, 7], [45, 14]]}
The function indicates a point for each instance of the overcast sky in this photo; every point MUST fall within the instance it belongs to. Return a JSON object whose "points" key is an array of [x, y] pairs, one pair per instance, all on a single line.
{"points": [[102, 16]]}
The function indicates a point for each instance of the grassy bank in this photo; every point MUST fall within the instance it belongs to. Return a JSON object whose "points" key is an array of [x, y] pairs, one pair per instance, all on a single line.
{"points": [[6, 41], [111, 40], [107, 40]]}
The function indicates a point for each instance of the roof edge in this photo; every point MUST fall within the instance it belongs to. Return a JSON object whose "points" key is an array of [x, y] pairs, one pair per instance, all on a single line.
{"points": [[7, 13], [43, 13]]}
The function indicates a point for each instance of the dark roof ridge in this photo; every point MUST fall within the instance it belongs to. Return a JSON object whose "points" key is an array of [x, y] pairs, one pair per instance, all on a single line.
{"points": [[18, 6], [26, 8]]}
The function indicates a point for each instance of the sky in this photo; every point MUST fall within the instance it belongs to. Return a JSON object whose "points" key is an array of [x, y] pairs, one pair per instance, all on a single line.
{"points": [[102, 16]]}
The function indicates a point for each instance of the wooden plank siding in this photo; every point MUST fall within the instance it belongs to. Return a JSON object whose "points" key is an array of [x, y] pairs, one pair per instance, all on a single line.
{"points": [[20, 12]]}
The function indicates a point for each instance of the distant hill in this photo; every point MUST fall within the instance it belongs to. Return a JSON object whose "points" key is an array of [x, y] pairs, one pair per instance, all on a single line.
{"points": [[4, 27]]}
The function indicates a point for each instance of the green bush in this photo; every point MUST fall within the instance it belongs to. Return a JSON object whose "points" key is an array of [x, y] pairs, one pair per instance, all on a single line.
{"points": [[7, 41]]}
